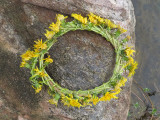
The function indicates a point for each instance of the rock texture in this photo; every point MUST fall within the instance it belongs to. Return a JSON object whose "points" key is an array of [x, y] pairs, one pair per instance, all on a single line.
{"points": [[82, 59]]}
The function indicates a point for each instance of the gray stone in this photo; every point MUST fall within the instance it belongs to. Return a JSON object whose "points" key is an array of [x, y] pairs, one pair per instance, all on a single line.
{"points": [[82, 59]]}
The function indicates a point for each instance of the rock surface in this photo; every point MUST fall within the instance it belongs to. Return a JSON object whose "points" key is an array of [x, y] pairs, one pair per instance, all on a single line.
{"points": [[82, 59]]}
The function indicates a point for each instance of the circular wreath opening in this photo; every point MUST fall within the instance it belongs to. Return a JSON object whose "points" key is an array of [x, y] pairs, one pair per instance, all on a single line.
{"points": [[83, 60], [125, 65]]}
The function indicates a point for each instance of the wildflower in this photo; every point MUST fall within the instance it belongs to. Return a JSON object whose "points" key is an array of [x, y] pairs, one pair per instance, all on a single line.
{"points": [[129, 51], [55, 27], [65, 101], [132, 70], [40, 45], [53, 101], [23, 63], [48, 59], [110, 24], [49, 34], [121, 29], [41, 73], [28, 55], [79, 18], [95, 100], [92, 19], [60, 17], [108, 96], [38, 89], [130, 60], [75, 103], [128, 37], [36, 69]]}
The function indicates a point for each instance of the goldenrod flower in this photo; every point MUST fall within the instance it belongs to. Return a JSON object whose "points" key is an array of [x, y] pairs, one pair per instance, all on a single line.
{"points": [[37, 90], [108, 96], [48, 59], [132, 70], [75, 103], [40, 45], [92, 19], [36, 69], [23, 63], [129, 52], [121, 29], [54, 27], [95, 100], [28, 55], [130, 60], [53, 101], [110, 24], [42, 74], [128, 37], [79, 18], [49, 34], [60, 17], [65, 101]]}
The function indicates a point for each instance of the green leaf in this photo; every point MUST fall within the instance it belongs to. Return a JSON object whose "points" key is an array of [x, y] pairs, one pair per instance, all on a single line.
{"points": [[146, 89], [154, 111], [125, 40], [136, 105], [27, 65], [117, 34], [57, 96]]}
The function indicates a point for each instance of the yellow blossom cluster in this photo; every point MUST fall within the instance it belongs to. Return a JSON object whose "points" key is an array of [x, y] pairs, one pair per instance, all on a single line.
{"points": [[131, 63], [40, 73], [48, 59], [70, 101], [79, 18], [38, 89], [55, 27], [28, 55]]}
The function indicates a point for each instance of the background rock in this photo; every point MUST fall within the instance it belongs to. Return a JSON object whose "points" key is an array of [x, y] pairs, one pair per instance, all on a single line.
{"points": [[80, 55]]}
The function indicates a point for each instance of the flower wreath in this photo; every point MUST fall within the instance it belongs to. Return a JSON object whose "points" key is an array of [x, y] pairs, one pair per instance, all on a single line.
{"points": [[35, 61]]}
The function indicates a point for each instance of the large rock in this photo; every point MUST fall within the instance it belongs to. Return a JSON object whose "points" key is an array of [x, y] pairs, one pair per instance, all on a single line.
{"points": [[82, 59]]}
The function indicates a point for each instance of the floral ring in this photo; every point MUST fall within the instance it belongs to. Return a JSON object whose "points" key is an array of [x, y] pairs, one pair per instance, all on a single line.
{"points": [[35, 61]]}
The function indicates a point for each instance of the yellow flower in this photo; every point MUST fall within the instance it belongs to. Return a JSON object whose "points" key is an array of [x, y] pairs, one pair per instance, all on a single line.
{"points": [[108, 96], [42, 74], [79, 18], [23, 63], [110, 24], [95, 100], [48, 59], [37, 90], [49, 34], [121, 29], [60, 17], [28, 55], [92, 19], [40, 45], [95, 19], [130, 60], [53, 101], [36, 69], [129, 51], [132, 70], [65, 101], [54, 27], [128, 37], [75, 103]]}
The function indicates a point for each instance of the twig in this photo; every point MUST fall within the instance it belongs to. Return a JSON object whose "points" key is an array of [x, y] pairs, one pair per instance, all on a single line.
{"points": [[146, 96], [138, 97]]}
